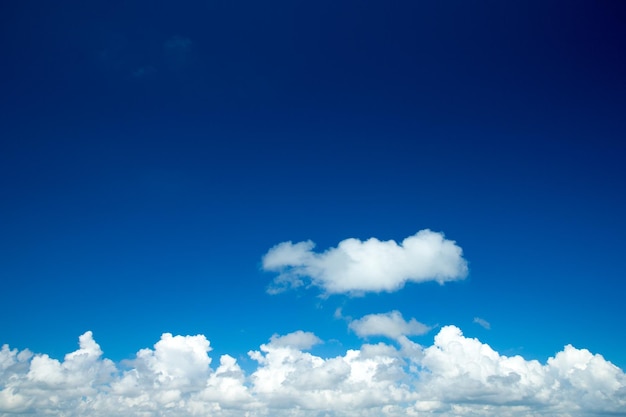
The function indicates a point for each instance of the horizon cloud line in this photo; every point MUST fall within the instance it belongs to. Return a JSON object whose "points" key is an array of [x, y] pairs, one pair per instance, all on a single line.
{"points": [[456, 374]]}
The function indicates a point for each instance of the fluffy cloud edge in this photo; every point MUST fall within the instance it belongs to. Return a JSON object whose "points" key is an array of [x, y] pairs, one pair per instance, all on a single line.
{"points": [[356, 267], [456, 375]]}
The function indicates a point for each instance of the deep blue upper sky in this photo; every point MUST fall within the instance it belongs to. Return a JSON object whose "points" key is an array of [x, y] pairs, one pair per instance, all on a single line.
{"points": [[152, 152]]}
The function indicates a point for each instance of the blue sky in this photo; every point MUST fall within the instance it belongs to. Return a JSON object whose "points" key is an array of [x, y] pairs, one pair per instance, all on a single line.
{"points": [[151, 155]]}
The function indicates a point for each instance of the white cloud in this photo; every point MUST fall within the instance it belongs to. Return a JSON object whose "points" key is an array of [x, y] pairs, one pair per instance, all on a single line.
{"points": [[464, 371], [289, 379], [390, 324], [482, 322], [456, 376], [299, 340], [356, 266]]}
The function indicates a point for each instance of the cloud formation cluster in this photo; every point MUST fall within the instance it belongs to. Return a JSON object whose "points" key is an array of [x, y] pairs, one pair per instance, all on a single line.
{"points": [[356, 267], [454, 376]]}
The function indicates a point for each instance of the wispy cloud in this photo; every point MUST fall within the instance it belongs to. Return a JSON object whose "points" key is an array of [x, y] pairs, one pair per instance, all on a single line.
{"points": [[143, 72], [355, 267], [177, 377], [177, 51], [482, 322], [145, 60]]}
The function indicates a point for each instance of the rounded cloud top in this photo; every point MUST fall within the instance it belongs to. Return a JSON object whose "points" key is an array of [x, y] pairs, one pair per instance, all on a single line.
{"points": [[356, 267], [455, 376]]}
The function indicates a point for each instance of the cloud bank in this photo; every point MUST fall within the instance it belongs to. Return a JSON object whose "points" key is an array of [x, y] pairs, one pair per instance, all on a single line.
{"points": [[356, 267], [455, 376]]}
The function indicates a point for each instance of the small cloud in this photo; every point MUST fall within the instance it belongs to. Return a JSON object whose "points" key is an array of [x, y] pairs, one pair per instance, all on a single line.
{"points": [[298, 340], [390, 324], [355, 267], [338, 315], [482, 322]]}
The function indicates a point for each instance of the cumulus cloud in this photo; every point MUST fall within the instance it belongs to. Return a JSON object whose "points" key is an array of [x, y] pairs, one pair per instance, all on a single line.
{"points": [[299, 340], [390, 324], [482, 322], [455, 376], [356, 266], [465, 371]]}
